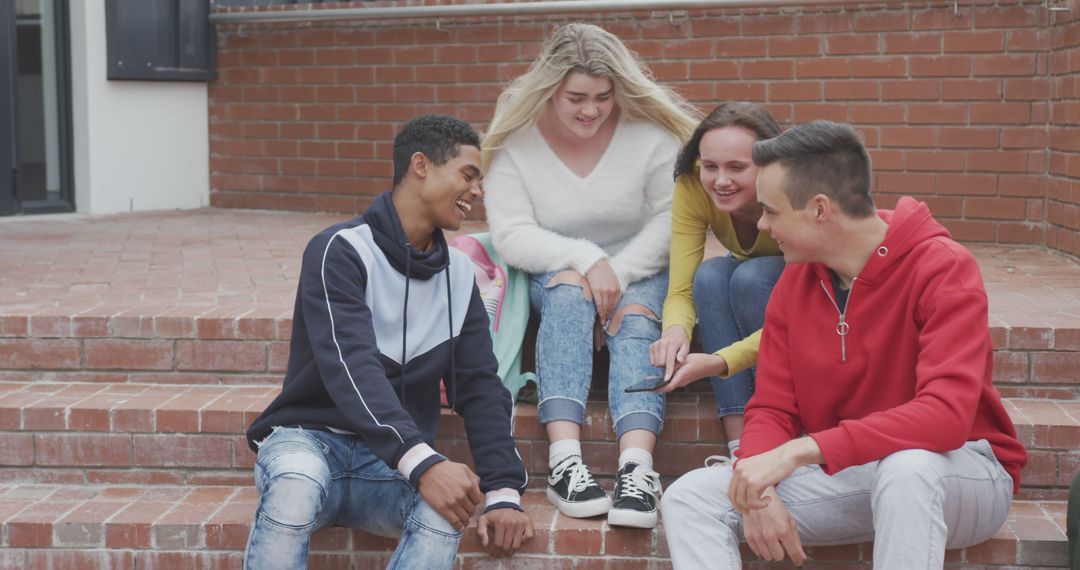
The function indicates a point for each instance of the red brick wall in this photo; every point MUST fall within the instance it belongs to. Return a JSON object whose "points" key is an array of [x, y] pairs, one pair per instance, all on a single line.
{"points": [[1063, 196], [954, 106]]}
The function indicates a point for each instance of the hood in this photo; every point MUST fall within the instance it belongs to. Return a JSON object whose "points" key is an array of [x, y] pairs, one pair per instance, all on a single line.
{"points": [[909, 225], [391, 239]]}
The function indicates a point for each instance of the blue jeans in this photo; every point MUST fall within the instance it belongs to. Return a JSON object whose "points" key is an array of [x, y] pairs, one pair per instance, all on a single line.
{"points": [[730, 297], [564, 353], [310, 479]]}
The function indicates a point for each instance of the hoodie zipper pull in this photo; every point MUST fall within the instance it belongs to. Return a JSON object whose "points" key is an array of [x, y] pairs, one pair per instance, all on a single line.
{"points": [[842, 326], [842, 329]]}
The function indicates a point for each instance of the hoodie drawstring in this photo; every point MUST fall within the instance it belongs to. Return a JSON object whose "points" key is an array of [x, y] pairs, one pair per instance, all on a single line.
{"points": [[450, 322], [405, 330], [405, 320]]}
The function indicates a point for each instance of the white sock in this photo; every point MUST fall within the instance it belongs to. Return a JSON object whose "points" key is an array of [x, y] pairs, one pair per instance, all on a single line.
{"points": [[636, 455], [560, 450]]}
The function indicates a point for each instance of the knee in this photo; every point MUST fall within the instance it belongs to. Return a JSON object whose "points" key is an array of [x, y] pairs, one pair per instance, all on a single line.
{"points": [[674, 504], [713, 274], [906, 473], [427, 517], [677, 497], [687, 495], [294, 498], [754, 275], [647, 321], [566, 289]]}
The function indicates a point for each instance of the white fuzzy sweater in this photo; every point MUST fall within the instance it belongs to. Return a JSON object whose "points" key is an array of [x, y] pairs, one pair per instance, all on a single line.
{"points": [[543, 217]]}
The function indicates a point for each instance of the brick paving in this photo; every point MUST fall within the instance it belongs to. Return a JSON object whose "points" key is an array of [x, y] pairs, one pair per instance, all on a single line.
{"points": [[221, 265]]}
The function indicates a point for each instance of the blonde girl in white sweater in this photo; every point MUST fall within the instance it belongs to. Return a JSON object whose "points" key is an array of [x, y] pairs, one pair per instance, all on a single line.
{"points": [[578, 173]]}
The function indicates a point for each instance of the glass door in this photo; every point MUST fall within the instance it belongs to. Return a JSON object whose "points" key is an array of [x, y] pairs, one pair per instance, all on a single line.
{"points": [[38, 139]]}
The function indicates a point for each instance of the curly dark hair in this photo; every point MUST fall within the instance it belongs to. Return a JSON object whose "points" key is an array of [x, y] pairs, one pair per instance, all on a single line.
{"points": [[436, 136]]}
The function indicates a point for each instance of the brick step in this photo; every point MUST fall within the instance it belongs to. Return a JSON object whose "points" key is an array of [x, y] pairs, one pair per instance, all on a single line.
{"points": [[1048, 429], [207, 526], [154, 434], [1030, 360]]}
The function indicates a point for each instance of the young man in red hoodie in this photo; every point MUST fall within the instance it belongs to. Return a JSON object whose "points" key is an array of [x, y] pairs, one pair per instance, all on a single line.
{"points": [[874, 414]]}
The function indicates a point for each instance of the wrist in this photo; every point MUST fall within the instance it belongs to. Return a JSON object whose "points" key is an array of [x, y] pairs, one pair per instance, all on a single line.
{"points": [[804, 451], [719, 365], [597, 265], [676, 332]]}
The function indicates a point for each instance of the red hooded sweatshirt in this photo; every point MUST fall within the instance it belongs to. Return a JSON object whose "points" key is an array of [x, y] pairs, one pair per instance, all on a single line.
{"points": [[914, 370]]}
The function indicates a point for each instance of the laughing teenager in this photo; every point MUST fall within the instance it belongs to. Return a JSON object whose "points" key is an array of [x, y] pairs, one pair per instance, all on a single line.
{"points": [[384, 311]]}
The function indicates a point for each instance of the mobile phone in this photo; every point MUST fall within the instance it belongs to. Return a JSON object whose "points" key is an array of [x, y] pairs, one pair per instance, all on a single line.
{"points": [[649, 384]]}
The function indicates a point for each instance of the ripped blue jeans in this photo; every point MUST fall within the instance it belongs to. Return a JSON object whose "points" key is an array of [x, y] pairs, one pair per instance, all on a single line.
{"points": [[564, 352], [310, 479]]}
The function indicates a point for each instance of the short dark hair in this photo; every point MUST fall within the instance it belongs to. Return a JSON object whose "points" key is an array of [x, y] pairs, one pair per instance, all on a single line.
{"points": [[750, 116], [436, 136], [821, 157]]}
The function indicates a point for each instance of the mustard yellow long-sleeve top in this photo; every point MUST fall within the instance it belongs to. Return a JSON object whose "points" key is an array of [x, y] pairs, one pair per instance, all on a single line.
{"points": [[692, 214]]}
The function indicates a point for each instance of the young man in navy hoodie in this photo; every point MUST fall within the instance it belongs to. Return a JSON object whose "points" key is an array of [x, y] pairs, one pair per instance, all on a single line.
{"points": [[384, 311], [874, 416]]}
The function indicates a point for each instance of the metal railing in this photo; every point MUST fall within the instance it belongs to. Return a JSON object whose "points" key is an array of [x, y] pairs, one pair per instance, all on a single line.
{"points": [[516, 9]]}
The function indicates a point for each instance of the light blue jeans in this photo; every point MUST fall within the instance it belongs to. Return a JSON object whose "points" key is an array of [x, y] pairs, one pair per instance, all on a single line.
{"points": [[730, 297], [310, 479], [919, 502], [564, 353]]}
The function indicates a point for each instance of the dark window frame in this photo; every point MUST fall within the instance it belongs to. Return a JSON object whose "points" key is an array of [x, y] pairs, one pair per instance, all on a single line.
{"points": [[10, 204]]}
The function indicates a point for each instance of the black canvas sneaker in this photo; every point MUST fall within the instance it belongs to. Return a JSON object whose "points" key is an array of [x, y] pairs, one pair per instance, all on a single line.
{"points": [[637, 492], [573, 491]]}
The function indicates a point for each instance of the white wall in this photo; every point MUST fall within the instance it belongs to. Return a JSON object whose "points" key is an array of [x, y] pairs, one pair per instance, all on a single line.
{"points": [[139, 145]]}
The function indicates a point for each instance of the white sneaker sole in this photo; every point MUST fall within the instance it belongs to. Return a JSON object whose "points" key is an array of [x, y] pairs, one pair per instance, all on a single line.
{"points": [[579, 510], [631, 518]]}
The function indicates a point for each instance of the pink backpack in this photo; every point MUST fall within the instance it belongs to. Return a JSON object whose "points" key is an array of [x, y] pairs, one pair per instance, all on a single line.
{"points": [[490, 279]]}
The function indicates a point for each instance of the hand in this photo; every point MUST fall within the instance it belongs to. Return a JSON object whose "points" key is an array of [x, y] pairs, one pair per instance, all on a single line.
{"points": [[696, 366], [512, 529], [753, 475], [453, 490], [605, 288], [670, 351], [771, 532]]}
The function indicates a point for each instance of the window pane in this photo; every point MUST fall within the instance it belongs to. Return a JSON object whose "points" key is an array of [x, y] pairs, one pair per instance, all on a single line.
{"points": [[38, 102]]}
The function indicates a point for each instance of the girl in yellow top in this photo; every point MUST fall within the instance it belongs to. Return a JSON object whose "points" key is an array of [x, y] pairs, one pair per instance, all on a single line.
{"points": [[716, 187]]}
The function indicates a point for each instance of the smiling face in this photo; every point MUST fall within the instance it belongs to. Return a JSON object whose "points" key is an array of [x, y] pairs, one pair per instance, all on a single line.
{"points": [[582, 103], [451, 189], [796, 231], [728, 174]]}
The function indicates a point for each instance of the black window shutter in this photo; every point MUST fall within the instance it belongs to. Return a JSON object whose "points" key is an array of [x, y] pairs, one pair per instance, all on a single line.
{"points": [[160, 40]]}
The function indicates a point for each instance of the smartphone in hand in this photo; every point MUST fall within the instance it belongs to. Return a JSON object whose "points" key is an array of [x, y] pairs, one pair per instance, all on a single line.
{"points": [[649, 384]]}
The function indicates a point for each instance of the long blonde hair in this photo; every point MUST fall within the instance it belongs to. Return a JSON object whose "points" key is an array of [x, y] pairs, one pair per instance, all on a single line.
{"points": [[595, 52]]}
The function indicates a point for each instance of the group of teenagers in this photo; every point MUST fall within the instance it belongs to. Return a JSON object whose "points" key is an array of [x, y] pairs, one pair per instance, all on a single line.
{"points": [[848, 347]]}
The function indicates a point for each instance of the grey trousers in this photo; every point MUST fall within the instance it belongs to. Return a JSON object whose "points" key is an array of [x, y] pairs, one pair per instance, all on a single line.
{"points": [[913, 504]]}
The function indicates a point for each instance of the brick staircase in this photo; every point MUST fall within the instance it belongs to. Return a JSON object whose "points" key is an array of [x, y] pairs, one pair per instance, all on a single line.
{"points": [[121, 422]]}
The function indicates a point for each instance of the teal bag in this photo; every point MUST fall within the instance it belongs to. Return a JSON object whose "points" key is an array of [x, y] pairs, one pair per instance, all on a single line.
{"points": [[505, 291]]}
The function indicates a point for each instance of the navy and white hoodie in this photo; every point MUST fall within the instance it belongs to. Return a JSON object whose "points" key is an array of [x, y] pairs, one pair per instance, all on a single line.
{"points": [[376, 325]]}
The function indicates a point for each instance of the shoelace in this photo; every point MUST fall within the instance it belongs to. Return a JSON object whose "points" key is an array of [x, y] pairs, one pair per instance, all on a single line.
{"points": [[580, 478], [640, 480], [716, 460]]}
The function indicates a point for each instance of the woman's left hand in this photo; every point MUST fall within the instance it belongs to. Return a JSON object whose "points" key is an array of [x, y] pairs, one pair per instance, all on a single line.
{"points": [[605, 289], [696, 366]]}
